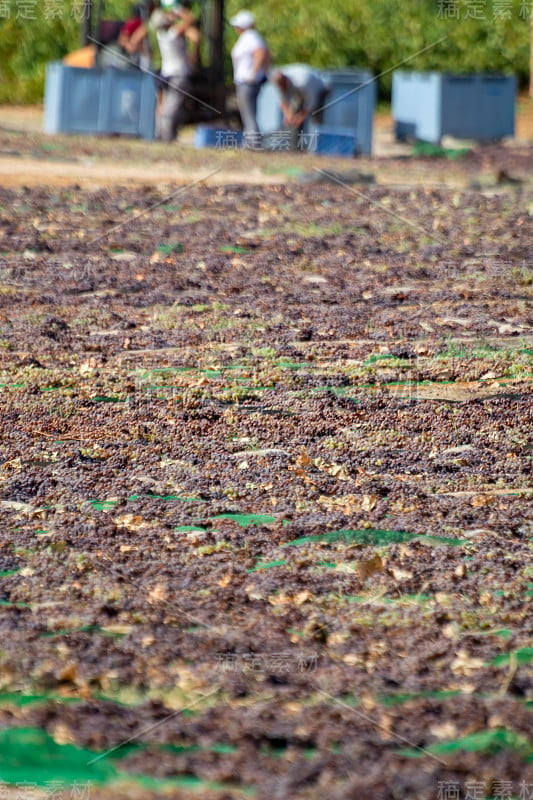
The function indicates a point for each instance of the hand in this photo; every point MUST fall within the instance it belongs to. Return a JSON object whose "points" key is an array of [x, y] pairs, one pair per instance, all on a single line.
{"points": [[299, 118]]}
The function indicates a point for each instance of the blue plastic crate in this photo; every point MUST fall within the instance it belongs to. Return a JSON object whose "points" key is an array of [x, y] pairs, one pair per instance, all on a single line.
{"points": [[222, 138], [334, 141], [430, 105], [350, 104], [269, 116], [99, 101]]}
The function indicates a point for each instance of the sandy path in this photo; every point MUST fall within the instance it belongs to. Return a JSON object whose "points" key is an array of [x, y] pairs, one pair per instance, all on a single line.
{"points": [[16, 171], [37, 172]]}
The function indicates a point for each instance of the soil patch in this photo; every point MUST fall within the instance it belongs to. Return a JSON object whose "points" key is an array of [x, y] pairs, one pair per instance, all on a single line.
{"points": [[265, 474]]}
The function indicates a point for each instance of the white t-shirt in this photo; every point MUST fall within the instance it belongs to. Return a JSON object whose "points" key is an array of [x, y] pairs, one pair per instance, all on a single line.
{"points": [[173, 48], [242, 56]]}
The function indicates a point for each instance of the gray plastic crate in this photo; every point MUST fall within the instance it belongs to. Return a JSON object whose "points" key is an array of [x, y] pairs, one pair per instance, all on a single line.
{"points": [[350, 104], [99, 101], [269, 117], [430, 105], [349, 107]]}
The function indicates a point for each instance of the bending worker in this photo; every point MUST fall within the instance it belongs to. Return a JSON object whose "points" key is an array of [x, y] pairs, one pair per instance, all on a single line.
{"points": [[302, 95]]}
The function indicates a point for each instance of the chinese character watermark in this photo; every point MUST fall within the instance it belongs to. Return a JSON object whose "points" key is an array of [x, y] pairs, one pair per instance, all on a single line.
{"points": [[267, 662], [481, 10], [275, 141], [478, 790], [51, 790], [26, 9], [448, 9]]}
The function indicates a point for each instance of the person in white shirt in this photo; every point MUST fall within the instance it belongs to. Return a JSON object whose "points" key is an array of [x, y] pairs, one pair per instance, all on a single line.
{"points": [[251, 59], [173, 28]]}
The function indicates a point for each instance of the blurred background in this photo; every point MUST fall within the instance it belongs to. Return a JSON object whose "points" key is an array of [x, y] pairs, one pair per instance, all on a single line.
{"points": [[481, 36]]}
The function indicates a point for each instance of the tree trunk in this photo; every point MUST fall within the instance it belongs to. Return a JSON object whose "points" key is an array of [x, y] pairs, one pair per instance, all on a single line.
{"points": [[85, 27], [531, 58]]}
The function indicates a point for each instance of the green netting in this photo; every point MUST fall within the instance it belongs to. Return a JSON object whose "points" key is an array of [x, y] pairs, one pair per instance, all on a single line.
{"points": [[167, 249], [373, 536], [248, 519], [489, 742], [31, 754]]}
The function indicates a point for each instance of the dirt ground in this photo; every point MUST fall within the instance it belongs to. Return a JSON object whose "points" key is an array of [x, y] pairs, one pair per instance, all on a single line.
{"points": [[265, 473]]}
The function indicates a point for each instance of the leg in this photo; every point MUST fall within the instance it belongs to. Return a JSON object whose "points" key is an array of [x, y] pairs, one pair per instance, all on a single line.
{"points": [[172, 108], [247, 94]]}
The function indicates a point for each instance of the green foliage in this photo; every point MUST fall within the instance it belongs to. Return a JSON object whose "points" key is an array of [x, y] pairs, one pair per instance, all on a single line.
{"points": [[25, 47], [522, 656], [32, 34], [381, 35], [384, 35]]}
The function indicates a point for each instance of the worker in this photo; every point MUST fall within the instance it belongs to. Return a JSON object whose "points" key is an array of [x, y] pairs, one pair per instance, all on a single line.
{"points": [[174, 28], [251, 59], [302, 96], [133, 38]]}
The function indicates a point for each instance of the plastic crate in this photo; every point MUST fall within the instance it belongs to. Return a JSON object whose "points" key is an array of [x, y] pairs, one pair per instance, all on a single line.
{"points": [[269, 116], [97, 101], [430, 105], [333, 141], [222, 138], [350, 105]]}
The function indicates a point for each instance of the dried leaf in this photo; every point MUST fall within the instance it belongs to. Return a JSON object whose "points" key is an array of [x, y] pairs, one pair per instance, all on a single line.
{"points": [[401, 574], [278, 599], [352, 659], [118, 629], [443, 730], [159, 594], [349, 503], [132, 522], [451, 631], [480, 500], [15, 505], [369, 502], [253, 592], [338, 471], [68, 674], [368, 568], [465, 664], [302, 597], [62, 734]]}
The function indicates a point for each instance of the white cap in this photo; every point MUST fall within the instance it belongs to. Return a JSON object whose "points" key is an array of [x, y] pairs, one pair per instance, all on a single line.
{"points": [[244, 20]]}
